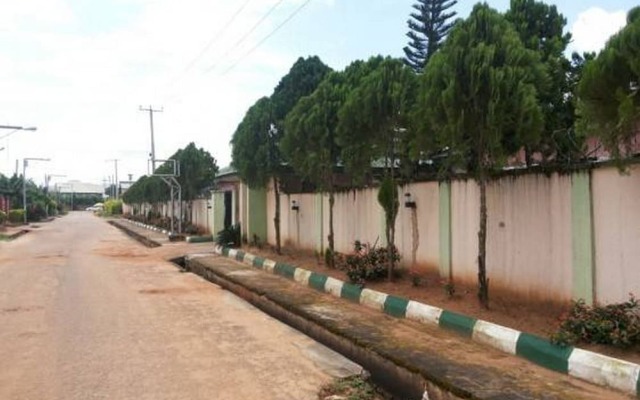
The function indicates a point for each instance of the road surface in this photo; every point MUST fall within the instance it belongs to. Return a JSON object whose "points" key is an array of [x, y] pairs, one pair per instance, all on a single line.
{"points": [[87, 313]]}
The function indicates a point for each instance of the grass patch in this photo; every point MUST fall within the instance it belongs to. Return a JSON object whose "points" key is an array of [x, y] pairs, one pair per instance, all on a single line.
{"points": [[351, 388]]}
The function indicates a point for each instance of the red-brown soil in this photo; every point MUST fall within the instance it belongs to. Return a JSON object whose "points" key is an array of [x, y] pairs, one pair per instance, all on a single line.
{"points": [[540, 319]]}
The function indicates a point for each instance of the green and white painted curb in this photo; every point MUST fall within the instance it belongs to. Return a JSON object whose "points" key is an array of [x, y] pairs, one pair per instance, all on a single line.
{"points": [[149, 227], [589, 366]]}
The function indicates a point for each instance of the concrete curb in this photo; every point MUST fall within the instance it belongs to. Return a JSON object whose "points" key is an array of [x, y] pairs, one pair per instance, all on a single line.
{"points": [[589, 366], [149, 227], [199, 239]]}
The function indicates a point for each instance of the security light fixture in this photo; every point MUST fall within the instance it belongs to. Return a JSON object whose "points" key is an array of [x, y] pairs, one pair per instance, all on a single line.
{"points": [[408, 201]]}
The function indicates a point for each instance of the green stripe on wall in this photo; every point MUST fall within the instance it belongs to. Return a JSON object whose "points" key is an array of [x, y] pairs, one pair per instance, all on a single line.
{"points": [[582, 236], [444, 221], [317, 281], [351, 292], [258, 262], [396, 306], [240, 255], [285, 270], [457, 322], [542, 352], [225, 251]]}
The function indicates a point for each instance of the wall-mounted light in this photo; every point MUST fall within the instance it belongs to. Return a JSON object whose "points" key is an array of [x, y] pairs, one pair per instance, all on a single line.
{"points": [[408, 201], [295, 206]]}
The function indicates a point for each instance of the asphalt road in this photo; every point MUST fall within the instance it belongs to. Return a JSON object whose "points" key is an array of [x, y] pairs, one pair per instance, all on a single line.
{"points": [[87, 313]]}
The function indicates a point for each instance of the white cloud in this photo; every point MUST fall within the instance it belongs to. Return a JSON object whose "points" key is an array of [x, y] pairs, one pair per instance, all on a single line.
{"points": [[594, 27], [82, 90]]}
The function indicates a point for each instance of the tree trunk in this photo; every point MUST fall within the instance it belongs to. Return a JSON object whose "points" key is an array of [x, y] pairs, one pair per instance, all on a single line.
{"points": [[332, 201], [527, 156], [276, 218], [483, 282]]}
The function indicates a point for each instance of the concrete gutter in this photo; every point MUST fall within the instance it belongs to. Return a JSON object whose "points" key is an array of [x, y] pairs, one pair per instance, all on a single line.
{"points": [[589, 366], [135, 235]]}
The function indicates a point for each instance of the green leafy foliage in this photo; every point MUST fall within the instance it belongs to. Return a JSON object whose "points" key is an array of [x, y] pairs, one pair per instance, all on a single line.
{"points": [[608, 99], [3, 217], [197, 172], [113, 207], [478, 95], [540, 27], [614, 324], [367, 263], [36, 211], [230, 236], [16, 216], [388, 200], [429, 24], [374, 118]]}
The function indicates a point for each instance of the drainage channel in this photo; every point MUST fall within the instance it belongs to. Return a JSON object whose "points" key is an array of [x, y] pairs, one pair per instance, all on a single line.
{"points": [[393, 380], [136, 236]]}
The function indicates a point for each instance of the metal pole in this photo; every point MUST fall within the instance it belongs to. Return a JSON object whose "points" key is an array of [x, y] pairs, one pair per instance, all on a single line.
{"points": [[24, 190], [116, 183], [151, 110], [153, 145]]}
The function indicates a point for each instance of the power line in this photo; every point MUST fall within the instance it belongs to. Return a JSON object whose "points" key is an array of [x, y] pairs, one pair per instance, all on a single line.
{"points": [[264, 39], [246, 35], [219, 34]]}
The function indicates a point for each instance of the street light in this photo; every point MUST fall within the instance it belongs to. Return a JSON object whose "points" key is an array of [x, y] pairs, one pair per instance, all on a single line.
{"points": [[15, 129], [25, 162], [47, 179], [115, 183]]}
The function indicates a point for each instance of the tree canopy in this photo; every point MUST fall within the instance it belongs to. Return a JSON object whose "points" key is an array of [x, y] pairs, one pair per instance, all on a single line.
{"points": [[608, 100], [374, 118], [197, 172], [428, 25]]}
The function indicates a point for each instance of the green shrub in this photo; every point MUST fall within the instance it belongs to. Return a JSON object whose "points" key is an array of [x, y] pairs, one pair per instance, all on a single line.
{"points": [[113, 207], [613, 324], [16, 216], [367, 263], [3, 217], [230, 236], [36, 211]]}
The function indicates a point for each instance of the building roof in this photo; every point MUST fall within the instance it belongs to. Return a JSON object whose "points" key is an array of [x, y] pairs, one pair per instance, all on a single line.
{"points": [[79, 187]]}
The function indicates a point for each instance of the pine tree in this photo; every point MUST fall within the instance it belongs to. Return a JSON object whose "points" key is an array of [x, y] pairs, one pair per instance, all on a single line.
{"points": [[429, 24]]}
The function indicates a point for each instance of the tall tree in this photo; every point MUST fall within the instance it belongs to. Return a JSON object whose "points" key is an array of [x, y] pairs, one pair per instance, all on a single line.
{"points": [[310, 139], [372, 127], [429, 24], [541, 29], [255, 143], [608, 99], [479, 92]]}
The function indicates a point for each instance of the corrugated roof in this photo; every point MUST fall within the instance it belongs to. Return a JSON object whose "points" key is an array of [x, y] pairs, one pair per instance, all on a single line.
{"points": [[79, 187]]}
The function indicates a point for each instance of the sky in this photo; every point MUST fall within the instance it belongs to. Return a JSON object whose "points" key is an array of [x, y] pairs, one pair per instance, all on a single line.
{"points": [[79, 70]]}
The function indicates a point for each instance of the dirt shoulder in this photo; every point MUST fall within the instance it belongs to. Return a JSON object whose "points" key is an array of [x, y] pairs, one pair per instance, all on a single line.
{"points": [[538, 319]]}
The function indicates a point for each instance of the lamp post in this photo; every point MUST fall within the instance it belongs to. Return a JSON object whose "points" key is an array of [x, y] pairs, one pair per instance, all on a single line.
{"points": [[14, 129], [47, 179], [25, 162], [115, 183]]}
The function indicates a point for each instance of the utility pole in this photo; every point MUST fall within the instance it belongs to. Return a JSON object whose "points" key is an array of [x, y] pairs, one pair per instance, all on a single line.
{"points": [[151, 110], [115, 183]]}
